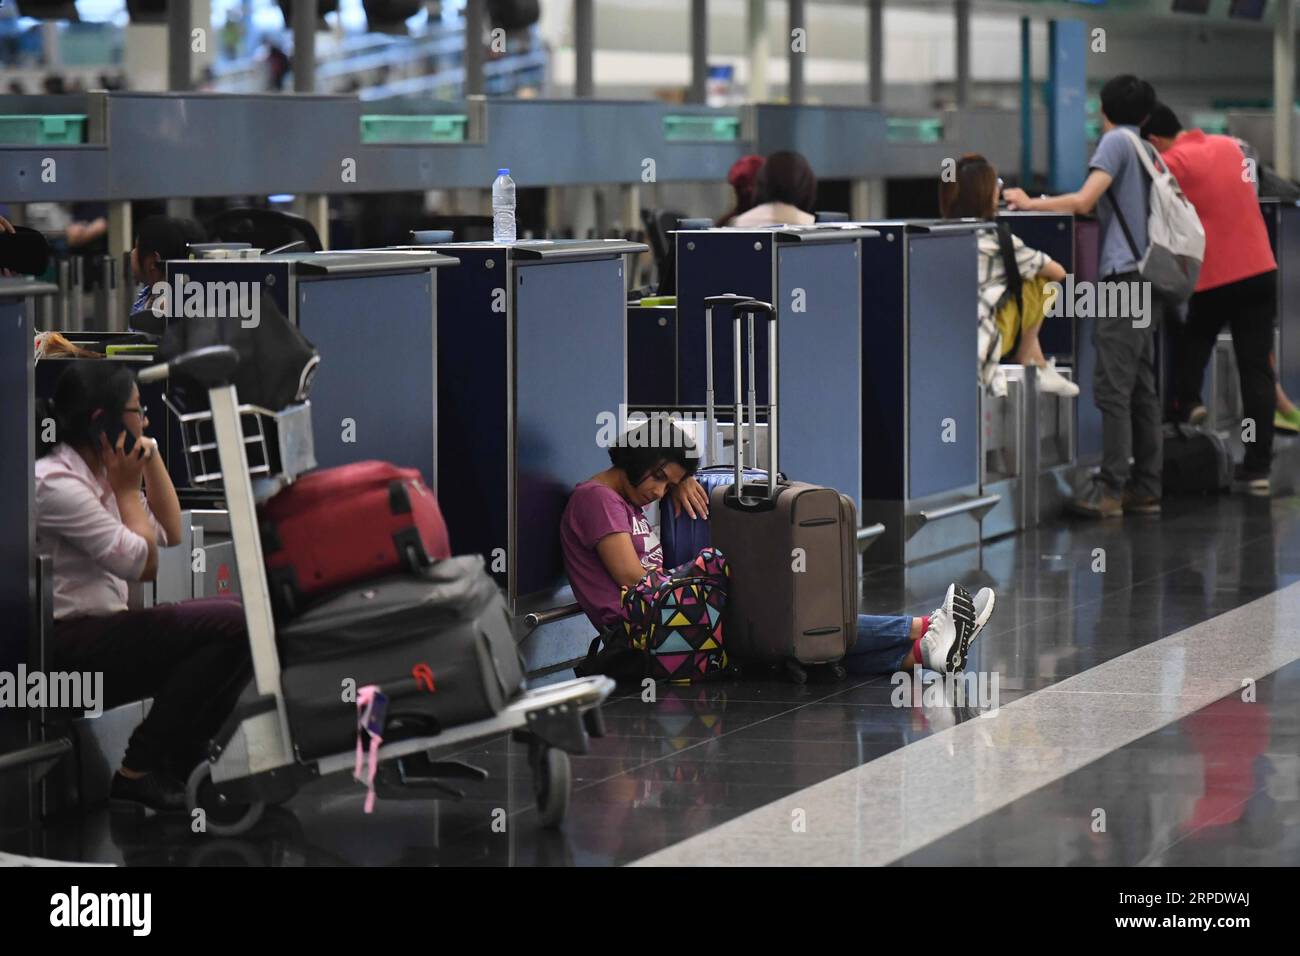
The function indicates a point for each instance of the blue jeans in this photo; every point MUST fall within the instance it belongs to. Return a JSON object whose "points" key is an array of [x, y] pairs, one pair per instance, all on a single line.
{"points": [[882, 644]]}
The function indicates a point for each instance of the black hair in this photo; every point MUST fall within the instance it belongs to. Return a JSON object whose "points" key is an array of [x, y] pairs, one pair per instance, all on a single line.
{"points": [[1162, 122], [786, 177], [1127, 100], [652, 444], [167, 237], [89, 395]]}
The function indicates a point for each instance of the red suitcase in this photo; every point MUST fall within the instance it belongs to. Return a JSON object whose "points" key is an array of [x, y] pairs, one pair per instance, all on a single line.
{"points": [[338, 526]]}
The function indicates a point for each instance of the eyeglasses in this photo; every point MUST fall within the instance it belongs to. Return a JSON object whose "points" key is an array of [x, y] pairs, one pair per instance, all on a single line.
{"points": [[139, 411]]}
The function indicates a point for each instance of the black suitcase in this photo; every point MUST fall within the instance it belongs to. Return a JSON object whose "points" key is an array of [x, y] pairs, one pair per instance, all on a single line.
{"points": [[438, 644], [1196, 461]]}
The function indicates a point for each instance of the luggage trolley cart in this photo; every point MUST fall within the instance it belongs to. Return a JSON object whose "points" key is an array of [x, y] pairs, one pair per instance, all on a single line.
{"points": [[254, 760]]}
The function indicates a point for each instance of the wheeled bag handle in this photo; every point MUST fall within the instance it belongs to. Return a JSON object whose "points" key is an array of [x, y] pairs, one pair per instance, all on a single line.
{"points": [[211, 366], [751, 307], [729, 301]]}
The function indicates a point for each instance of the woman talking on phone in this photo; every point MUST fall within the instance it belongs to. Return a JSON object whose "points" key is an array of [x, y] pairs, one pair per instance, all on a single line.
{"points": [[104, 506]]}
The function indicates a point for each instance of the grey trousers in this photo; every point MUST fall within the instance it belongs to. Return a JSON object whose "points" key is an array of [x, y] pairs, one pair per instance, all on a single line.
{"points": [[1125, 391]]}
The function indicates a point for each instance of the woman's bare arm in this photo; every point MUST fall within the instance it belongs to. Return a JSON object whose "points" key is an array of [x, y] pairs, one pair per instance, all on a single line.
{"points": [[618, 554]]}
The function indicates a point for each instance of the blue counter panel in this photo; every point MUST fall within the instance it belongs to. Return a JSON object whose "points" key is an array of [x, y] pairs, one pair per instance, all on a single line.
{"points": [[1054, 235], [719, 263], [1087, 415], [1288, 257], [569, 348], [375, 337], [942, 348], [819, 396], [884, 332], [17, 494], [652, 356], [473, 406]]}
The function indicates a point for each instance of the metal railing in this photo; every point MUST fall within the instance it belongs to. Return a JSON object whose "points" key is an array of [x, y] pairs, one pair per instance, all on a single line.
{"points": [[416, 60]]}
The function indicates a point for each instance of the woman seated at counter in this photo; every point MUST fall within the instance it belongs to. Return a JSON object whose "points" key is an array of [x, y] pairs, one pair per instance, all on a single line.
{"points": [[785, 191], [615, 565], [103, 531], [1013, 296]]}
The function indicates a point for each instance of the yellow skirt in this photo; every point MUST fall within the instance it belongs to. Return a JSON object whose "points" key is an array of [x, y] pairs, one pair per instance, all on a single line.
{"points": [[1011, 321]]}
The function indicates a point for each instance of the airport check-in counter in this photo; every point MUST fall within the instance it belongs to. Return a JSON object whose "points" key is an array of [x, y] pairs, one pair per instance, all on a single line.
{"points": [[1027, 454], [371, 313], [1087, 417], [1052, 233], [1283, 220], [531, 340], [1221, 388], [812, 274], [20, 301], [920, 401]]}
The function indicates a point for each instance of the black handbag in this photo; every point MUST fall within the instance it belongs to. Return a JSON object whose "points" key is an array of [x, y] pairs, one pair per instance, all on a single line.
{"points": [[276, 361]]}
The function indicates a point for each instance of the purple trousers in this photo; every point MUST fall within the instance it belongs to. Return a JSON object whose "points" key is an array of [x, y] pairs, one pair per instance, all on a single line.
{"points": [[192, 658]]}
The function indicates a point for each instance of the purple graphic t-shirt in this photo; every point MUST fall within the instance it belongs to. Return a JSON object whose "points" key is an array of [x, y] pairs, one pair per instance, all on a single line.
{"points": [[593, 512]]}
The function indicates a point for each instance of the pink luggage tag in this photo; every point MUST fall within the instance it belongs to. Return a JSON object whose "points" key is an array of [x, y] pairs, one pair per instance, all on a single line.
{"points": [[372, 708]]}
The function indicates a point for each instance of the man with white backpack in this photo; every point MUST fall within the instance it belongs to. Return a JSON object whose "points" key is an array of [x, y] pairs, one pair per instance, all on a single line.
{"points": [[1149, 236]]}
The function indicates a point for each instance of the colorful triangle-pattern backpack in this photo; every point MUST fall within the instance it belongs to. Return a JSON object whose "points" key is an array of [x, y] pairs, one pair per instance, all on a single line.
{"points": [[674, 633]]}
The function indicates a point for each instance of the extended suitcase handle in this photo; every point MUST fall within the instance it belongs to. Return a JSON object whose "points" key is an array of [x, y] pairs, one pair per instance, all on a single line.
{"points": [[750, 307], [740, 305], [728, 300]]}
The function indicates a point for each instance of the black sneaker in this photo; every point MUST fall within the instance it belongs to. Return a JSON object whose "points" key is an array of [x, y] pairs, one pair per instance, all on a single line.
{"points": [[1251, 482], [154, 792]]}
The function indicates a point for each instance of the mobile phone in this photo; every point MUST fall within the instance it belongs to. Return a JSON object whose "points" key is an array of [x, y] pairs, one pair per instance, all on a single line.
{"points": [[111, 433]]}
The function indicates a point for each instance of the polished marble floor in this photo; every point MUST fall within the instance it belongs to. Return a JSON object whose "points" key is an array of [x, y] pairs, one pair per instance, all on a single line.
{"points": [[674, 774]]}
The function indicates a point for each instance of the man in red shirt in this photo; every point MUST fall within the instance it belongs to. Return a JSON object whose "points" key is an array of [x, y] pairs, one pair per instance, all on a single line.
{"points": [[1237, 285]]}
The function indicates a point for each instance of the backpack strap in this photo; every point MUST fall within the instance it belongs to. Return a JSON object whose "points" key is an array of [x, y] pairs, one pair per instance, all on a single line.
{"points": [[1015, 281], [1123, 224], [610, 654], [1144, 153]]}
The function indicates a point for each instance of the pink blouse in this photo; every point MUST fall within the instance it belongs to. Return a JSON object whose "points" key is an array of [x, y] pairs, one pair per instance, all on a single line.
{"points": [[78, 523]]}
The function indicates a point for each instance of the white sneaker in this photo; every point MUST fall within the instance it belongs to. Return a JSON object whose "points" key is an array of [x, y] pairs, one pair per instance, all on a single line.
{"points": [[1054, 383], [944, 645], [983, 611], [983, 606]]}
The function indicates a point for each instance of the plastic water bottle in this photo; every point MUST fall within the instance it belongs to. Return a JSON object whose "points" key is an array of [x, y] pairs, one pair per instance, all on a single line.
{"points": [[503, 207]]}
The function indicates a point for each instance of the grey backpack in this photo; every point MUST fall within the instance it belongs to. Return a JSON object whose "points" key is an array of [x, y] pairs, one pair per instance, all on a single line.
{"points": [[1175, 238]]}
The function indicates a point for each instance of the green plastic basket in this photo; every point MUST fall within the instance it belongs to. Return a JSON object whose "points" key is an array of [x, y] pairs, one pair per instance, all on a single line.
{"points": [[1214, 122], [701, 129], [43, 130], [440, 128], [905, 129]]}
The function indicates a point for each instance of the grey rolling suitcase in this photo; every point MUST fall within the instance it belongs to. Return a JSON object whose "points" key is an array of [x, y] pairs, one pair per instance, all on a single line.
{"points": [[792, 546]]}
